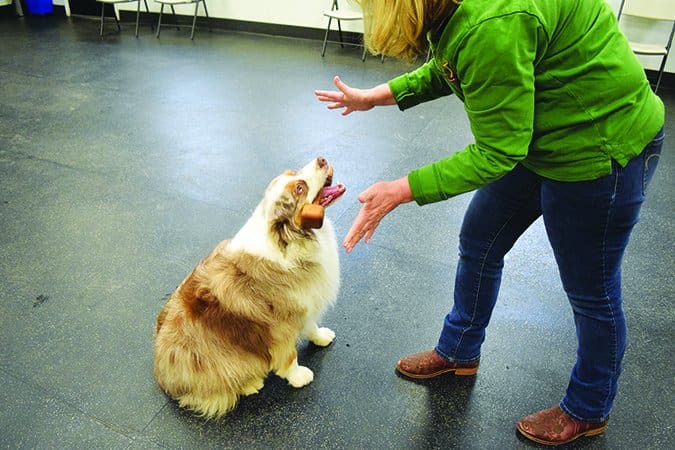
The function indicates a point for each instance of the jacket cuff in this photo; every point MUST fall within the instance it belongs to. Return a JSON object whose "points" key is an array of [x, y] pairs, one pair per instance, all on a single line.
{"points": [[424, 193], [404, 96]]}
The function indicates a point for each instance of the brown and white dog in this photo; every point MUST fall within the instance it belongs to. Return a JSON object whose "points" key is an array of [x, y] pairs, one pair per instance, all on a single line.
{"points": [[242, 310]]}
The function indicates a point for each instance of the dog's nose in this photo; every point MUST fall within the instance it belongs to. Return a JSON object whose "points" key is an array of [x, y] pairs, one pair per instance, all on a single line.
{"points": [[321, 161]]}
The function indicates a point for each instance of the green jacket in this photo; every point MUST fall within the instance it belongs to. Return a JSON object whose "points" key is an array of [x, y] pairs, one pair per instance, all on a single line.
{"points": [[551, 84]]}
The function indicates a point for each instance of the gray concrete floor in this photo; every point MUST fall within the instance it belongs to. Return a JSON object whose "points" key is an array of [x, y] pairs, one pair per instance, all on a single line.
{"points": [[123, 161]]}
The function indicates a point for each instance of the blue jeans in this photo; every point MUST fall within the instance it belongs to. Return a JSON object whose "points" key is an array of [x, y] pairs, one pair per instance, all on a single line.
{"points": [[588, 225]]}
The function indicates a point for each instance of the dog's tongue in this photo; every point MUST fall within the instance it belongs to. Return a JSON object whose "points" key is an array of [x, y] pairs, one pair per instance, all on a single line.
{"points": [[331, 193]]}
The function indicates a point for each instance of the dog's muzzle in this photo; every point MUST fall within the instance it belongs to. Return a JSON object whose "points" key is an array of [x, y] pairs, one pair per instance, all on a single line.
{"points": [[312, 214]]}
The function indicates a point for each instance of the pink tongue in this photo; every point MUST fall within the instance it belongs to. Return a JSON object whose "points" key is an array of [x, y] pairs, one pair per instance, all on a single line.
{"points": [[330, 190], [330, 193]]}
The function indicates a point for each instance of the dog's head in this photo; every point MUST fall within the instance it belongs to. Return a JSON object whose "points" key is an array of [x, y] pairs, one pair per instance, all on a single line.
{"points": [[309, 189]]}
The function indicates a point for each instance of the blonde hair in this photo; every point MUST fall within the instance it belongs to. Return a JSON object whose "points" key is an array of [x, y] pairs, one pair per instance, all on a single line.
{"points": [[398, 28]]}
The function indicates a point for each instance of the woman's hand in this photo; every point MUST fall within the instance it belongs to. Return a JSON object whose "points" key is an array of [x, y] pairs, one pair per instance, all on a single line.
{"points": [[352, 99], [378, 200]]}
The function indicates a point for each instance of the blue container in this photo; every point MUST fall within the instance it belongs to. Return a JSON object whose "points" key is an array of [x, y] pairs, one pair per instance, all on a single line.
{"points": [[40, 6]]}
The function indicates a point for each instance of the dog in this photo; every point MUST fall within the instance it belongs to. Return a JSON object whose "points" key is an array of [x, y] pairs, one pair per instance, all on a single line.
{"points": [[240, 313]]}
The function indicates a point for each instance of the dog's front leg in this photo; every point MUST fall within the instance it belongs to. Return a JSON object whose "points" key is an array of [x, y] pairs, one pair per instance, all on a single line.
{"points": [[319, 336], [297, 375]]}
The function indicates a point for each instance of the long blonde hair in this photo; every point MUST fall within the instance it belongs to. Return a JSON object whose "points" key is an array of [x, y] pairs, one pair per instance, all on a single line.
{"points": [[398, 28]]}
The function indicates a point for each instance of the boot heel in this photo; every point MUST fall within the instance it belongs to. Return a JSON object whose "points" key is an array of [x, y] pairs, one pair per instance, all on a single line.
{"points": [[466, 371], [595, 432]]}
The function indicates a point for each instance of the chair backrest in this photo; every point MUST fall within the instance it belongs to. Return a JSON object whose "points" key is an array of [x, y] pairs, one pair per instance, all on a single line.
{"points": [[649, 9]]}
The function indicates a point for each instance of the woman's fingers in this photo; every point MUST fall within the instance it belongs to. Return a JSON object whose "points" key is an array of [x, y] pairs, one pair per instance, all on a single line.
{"points": [[339, 84], [366, 221], [336, 99], [345, 97], [333, 96], [359, 230], [328, 96], [355, 233]]}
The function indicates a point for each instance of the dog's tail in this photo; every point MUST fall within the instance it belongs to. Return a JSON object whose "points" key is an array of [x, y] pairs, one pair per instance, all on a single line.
{"points": [[212, 407], [204, 393]]}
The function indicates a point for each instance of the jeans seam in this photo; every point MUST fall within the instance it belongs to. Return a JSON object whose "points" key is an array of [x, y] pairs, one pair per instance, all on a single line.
{"points": [[480, 276], [606, 294]]}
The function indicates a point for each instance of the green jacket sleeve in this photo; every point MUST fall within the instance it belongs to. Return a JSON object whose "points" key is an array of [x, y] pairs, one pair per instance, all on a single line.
{"points": [[495, 71], [422, 85]]}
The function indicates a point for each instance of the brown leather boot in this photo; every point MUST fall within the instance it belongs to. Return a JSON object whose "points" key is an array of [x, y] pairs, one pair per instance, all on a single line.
{"points": [[429, 364], [554, 427]]}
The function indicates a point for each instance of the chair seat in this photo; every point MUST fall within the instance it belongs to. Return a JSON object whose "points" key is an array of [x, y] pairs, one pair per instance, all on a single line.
{"points": [[177, 2], [117, 1], [646, 49], [342, 15]]}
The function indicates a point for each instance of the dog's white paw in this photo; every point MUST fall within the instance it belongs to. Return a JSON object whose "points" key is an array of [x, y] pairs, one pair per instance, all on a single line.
{"points": [[322, 336], [300, 377]]}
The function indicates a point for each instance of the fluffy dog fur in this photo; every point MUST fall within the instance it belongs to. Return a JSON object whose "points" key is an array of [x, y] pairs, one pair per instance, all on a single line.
{"points": [[241, 311]]}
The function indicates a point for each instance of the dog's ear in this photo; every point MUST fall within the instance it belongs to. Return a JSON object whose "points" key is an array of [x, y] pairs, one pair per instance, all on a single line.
{"points": [[286, 212], [291, 200]]}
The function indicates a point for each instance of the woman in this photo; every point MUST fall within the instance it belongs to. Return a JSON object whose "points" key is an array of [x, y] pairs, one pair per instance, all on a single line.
{"points": [[566, 127]]}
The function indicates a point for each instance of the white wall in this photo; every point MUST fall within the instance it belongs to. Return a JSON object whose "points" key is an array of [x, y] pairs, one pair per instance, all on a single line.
{"points": [[308, 13]]}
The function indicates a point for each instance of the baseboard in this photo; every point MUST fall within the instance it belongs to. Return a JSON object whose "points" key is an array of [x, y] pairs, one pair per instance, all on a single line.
{"points": [[271, 29]]}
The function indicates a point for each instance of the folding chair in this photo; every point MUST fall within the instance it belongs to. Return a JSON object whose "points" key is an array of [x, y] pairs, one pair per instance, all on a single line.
{"points": [[113, 2], [655, 10], [172, 3], [335, 13]]}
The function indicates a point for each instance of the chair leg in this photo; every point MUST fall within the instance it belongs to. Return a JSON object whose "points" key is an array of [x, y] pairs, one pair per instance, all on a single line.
{"points": [[175, 18], [194, 22], [138, 15], [102, 14], [340, 33], [208, 19], [119, 28], [325, 38], [665, 57], [147, 10], [658, 80], [159, 24]]}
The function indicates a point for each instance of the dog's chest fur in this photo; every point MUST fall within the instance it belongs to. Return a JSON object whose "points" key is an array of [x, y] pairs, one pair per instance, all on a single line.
{"points": [[312, 263]]}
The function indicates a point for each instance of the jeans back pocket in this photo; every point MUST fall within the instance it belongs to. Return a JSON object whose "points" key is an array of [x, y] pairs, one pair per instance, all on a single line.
{"points": [[651, 155]]}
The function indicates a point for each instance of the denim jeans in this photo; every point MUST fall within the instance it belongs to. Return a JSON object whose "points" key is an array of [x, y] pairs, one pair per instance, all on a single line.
{"points": [[588, 225]]}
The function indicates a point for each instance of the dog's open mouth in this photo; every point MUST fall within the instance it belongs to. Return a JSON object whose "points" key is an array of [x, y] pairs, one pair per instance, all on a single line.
{"points": [[312, 214], [330, 192]]}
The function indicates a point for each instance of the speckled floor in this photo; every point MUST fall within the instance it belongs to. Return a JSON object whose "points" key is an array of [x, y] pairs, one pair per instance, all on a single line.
{"points": [[123, 161]]}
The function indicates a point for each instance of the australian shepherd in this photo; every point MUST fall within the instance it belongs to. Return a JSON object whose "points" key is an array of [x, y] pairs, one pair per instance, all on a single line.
{"points": [[242, 310]]}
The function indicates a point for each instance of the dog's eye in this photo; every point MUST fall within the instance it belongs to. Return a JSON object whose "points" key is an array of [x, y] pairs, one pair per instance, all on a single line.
{"points": [[300, 188]]}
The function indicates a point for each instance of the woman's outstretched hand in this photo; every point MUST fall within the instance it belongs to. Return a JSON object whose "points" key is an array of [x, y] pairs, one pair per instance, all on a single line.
{"points": [[352, 99], [378, 200]]}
